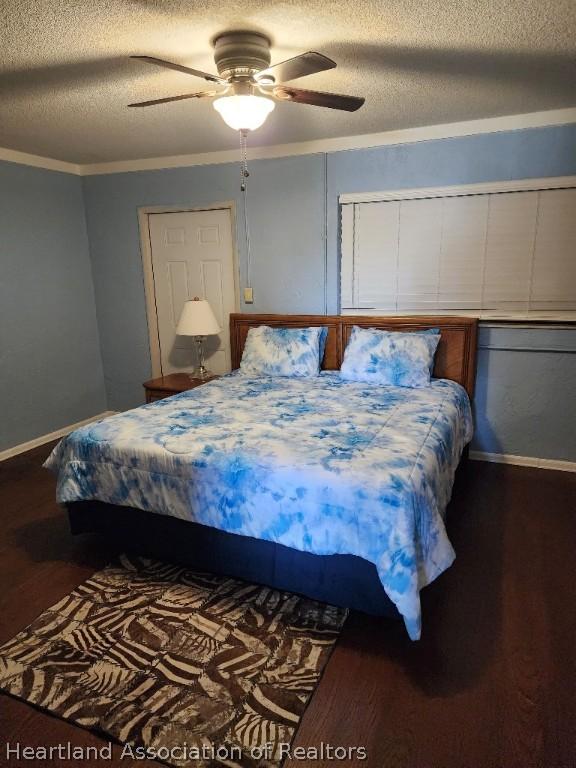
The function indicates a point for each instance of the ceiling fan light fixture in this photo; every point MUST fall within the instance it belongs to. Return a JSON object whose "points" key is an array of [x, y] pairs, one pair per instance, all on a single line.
{"points": [[244, 112]]}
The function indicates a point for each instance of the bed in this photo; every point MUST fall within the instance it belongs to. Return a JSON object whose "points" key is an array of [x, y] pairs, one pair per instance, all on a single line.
{"points": [[334, 489]]}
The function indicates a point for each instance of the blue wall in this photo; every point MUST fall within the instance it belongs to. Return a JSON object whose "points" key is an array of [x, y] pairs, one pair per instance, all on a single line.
{"points": [[50, 364], [523, 403], [525, 396], [286, 204], [527, 154]]}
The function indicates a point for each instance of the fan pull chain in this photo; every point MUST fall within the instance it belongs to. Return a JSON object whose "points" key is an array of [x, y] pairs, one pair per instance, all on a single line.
{"points": [[244, 162], [243, 188]]}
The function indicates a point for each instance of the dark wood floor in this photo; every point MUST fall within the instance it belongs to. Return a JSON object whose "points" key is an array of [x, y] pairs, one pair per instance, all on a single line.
{"points": [[491, 684]]}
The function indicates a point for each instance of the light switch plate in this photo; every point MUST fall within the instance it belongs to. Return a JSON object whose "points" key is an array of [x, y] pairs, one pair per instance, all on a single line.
{"points": [[248, 296]]}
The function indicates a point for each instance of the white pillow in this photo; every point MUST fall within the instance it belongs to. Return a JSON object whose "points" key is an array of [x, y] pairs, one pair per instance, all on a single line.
{"points": [[390, 358], [282, 351]]}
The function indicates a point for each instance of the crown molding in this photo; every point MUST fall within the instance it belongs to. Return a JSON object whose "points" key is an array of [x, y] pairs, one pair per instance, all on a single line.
{"points": [[339, 144], [36, 161]]}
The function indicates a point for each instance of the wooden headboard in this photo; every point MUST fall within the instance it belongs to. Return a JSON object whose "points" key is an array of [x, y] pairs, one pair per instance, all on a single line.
{"points": [[455, 357]]}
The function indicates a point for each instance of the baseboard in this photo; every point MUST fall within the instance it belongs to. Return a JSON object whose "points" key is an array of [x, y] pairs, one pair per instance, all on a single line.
{"points": [[524, 461], [23, 447]]}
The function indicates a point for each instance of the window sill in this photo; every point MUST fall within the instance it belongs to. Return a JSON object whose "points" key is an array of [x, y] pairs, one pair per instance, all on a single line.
{"points": [[532, 318]]}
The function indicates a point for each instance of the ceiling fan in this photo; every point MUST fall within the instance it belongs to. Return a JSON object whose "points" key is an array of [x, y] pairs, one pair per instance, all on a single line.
{"points": [[249, 86]]}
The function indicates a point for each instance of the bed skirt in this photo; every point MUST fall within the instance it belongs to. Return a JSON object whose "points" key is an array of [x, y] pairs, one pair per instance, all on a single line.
{"points": [[344, 580]]}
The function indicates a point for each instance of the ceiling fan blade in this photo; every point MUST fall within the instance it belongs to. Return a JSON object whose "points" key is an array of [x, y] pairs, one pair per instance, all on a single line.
{"points": [[167, 99], [180, 68], [299, 66], [317, 98]]}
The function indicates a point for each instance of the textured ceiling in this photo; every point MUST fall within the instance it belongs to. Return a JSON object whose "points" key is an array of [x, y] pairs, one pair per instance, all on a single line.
{"points": [[65, 76]]}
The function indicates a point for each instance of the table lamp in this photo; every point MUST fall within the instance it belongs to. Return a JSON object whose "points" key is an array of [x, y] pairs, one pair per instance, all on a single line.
{"points": [[197, 320]]}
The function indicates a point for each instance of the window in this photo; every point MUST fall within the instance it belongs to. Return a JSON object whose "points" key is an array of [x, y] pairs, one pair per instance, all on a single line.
{"points": [[476, 248]]}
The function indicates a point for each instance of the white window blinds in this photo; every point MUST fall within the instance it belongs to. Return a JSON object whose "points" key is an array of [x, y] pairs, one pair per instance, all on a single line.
{"points": [[486, 251]]}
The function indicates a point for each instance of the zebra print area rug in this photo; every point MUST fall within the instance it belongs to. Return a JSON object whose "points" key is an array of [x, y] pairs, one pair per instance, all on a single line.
{"points": [[196, 669]]}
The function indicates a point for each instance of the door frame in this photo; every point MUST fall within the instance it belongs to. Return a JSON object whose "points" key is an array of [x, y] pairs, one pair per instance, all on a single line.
{"points": [[144, 213]]}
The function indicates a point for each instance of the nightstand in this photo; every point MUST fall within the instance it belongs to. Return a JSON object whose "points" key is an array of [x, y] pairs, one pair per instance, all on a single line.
{"points": [[165, 386]]}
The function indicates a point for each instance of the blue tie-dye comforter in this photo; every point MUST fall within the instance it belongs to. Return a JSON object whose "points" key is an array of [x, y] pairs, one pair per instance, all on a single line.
{"points": [[318, 464]]}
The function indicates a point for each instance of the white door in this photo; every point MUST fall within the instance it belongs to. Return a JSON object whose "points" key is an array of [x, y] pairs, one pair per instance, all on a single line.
{"points": [[192, 255]]}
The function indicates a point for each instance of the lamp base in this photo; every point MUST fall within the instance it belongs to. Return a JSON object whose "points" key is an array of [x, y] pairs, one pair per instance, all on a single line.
{"points": [[201, 373]]}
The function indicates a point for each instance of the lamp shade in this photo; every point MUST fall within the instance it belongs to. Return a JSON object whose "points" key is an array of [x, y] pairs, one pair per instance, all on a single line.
{"points": [[197, 319], [244, 112]]}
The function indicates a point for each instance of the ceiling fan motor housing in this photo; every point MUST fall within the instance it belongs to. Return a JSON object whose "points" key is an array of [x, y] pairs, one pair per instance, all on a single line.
{"points": [[241, 54]]}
